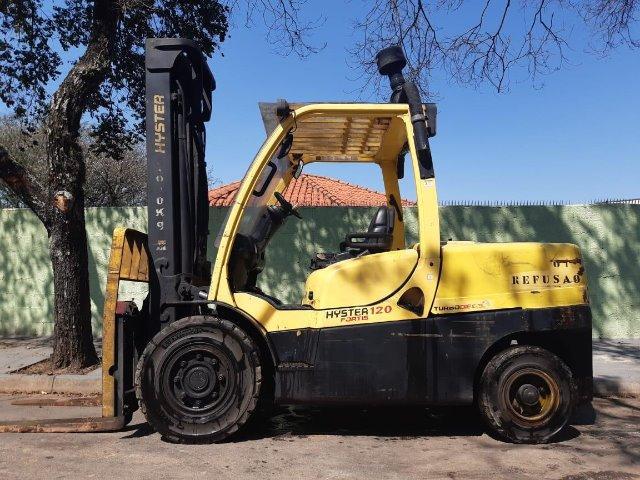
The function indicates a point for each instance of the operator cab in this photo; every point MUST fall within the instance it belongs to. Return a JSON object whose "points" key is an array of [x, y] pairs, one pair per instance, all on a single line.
{"points": [[372, 136]]}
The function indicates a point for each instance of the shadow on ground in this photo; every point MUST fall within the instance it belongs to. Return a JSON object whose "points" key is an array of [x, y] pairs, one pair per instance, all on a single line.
{"points": [[385, 424], [629, 349]]}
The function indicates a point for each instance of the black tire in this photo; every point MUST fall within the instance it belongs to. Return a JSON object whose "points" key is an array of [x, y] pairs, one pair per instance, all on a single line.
{"points": [[526, 394], [198, 380]]}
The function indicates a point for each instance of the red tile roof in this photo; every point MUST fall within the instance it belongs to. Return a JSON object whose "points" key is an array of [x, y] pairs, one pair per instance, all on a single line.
{"points": [[312, 191]]}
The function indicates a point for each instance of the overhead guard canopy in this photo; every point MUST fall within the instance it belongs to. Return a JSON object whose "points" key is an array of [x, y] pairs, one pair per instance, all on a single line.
{"points": [[338, 137]]}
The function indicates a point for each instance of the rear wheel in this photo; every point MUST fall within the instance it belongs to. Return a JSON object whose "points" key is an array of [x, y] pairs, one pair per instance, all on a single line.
{"points": [[526, 394], [199, 379]]}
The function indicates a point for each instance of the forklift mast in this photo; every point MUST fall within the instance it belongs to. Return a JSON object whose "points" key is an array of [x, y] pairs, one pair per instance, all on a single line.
{"points": [[179, 85]]}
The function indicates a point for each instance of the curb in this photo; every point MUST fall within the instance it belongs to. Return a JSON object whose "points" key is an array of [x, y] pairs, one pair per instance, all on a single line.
{"points": [[605, 387], [75, 384]]}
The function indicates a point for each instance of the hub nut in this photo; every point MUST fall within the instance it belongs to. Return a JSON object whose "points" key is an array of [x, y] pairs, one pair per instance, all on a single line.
{"points": [[528, 394]]}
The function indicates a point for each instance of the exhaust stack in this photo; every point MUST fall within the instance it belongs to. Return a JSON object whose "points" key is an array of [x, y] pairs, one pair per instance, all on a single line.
{"points": [[391, 61]]}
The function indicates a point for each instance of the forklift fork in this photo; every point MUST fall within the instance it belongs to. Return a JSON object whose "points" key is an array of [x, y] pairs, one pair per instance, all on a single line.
{"points": [[129, 261]]}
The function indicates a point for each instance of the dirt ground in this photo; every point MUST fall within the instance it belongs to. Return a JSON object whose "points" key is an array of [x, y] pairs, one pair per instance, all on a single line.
{"points": [[332, 444]]}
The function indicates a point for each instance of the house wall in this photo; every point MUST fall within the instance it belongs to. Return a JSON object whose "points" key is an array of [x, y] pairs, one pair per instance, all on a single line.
{"points": [[609, 236]]}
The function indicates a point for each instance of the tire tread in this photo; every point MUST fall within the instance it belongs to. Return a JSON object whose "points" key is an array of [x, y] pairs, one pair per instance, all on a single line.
{"points": [[228, 328], [485, 406]]}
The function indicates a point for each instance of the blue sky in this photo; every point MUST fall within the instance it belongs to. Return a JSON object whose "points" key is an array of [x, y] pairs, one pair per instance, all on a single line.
{"points": [[575, 139]]}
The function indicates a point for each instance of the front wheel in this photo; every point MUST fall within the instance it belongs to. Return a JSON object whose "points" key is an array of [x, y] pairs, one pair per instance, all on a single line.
{"points": [[526, 394], [198, 380]]}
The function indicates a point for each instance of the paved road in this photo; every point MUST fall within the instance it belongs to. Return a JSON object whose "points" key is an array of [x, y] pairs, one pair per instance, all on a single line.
{"points": [[333, 444]]}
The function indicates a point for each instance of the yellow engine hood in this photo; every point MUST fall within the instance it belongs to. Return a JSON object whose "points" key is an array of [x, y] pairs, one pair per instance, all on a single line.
{"points": [[489, 276]]}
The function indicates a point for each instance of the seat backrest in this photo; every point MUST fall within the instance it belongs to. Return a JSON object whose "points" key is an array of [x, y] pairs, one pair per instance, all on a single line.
{"points": [[382, 222]]}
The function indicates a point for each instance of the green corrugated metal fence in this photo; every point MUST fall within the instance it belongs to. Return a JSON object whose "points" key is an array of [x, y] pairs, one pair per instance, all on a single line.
{"points": [[609, 236]]}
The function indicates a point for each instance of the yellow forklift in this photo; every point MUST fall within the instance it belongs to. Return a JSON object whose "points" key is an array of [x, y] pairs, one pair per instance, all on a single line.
{"points": [[503, 326]]}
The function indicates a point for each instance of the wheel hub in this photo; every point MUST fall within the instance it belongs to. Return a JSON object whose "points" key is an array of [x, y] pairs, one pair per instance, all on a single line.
{"points": [[197, 379], [531, 396], [528, 394]]}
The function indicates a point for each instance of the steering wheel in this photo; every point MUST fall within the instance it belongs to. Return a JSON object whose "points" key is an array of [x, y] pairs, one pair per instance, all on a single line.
{"points": [[286, 206]]}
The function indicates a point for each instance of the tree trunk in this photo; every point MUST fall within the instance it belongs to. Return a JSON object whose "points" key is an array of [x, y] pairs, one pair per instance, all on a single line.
{"points": [[73, 340], [60, 205]]}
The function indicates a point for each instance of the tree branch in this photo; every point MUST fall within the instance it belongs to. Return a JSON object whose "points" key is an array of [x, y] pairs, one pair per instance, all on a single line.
{"points": [[23, 184], [287, 29], [613, 21], [489, 42]]}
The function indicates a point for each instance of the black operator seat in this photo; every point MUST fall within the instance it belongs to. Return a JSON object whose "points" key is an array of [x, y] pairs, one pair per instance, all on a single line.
{"points": [[376, 239], [379, 234]]}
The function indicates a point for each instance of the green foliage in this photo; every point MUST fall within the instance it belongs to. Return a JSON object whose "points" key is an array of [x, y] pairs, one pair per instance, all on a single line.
{"points": [[35, 34], [28, 58]]}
